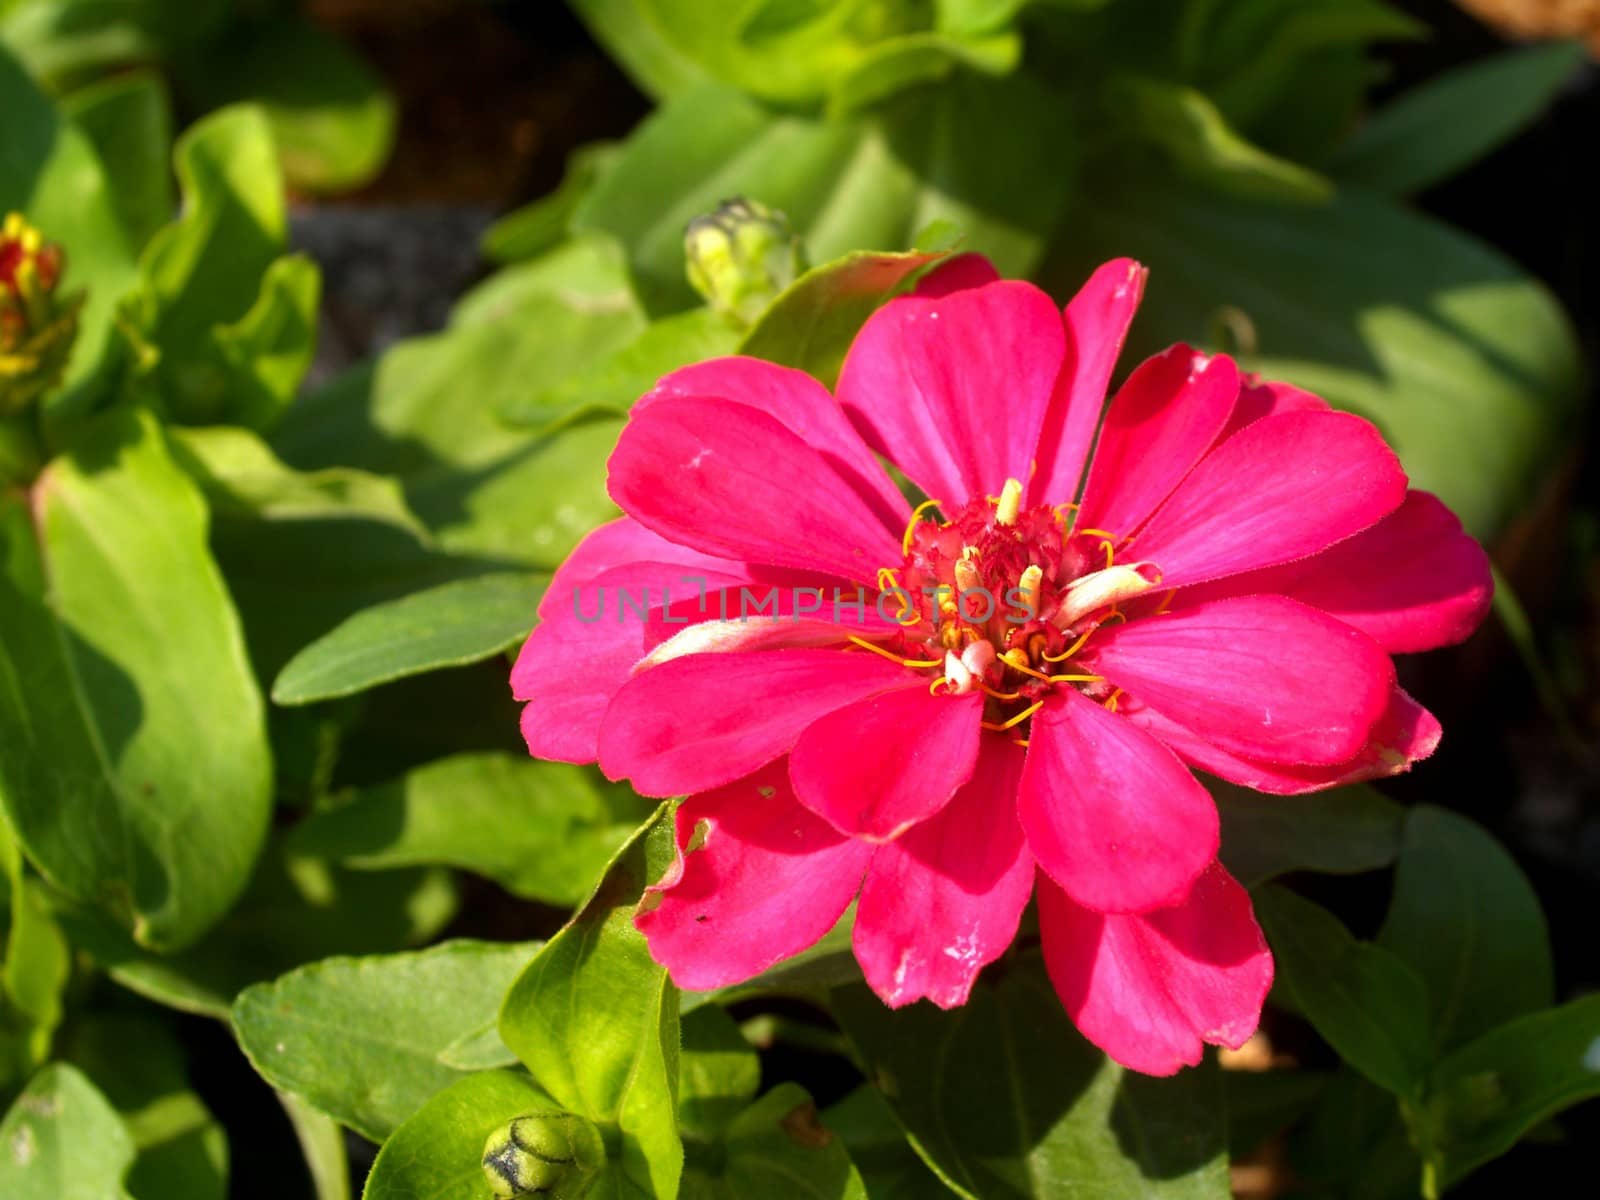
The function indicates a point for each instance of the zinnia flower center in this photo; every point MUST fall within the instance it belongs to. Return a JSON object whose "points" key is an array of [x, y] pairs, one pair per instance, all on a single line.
{"points": [[1001, 598]]}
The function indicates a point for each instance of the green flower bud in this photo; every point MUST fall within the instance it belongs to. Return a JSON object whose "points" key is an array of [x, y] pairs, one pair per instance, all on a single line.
{"points": [[741, 256], [555, 1155], [37, 327]]}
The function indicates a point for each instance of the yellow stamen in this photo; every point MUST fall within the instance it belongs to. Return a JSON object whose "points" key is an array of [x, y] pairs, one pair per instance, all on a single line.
{"points": [[1111, 701], [1166, 602], [1111, 555], [1072, 649], [911, 526], [892, 656], [967, 578], [892, 575], [1013, 722], [1028, 587], [1099, 533], [937, 684], [1010, 503], [1026, 670], [997, 695], [1076, 678], [1023, 742]]}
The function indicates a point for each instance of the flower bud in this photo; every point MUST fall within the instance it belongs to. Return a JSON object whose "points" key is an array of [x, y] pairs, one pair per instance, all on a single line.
{"points": [[555, 1155], [741, 256], [37, 327]]}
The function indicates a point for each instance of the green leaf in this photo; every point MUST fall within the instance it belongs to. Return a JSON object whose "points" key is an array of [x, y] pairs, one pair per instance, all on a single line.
{"points": [[437, 1154], [37, 962], [296, 910], [1465, 918], [541, 830], [62, 1141], [1262, 1104], [129, 120], [811, 325], [777, 1149], [889, 1166], [629, 31], [332, 119], [360, 1038], [322, 1142], [140, 1065], [242, 478], [916, 58], [614, 382], [213, 302], [1429, 133], [595, 1020], [1341, 832], [536, 228], [49, 170], [447, 626], [1492, 1091], [1467, 366], [1184, 123], [121, 644], [718, 1074], [1366, 1003], [952, 154], [1003, 1098]]}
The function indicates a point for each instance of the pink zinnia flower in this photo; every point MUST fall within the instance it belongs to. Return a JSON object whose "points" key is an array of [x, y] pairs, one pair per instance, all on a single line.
{"points": [[1221, 589]]}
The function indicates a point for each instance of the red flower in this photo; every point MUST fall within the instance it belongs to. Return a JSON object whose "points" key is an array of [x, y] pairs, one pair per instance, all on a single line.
{"points": [[929, 714]]}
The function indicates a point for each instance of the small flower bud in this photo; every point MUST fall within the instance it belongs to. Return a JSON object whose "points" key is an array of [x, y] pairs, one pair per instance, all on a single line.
{"points": [[555, 1155], [741, 256], [37, 327]]}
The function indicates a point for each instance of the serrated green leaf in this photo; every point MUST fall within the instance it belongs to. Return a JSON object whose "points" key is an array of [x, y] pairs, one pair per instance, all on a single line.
{"points": [[121, 642], [1490, 1092], [332, 119], [1340, 832], [129, 119], [595, 1020], [1003, 1098], [540, 830], [1368, 1004], [45, 1134], [1429, 133], [448, 626], [1465, 918], [437, 1154], [811, 325], [359, 1038]]}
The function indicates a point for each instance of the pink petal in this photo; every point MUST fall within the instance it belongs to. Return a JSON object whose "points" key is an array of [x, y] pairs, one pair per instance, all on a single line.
{"points": [[1406, 734], [1097, 321], [758, 879], [944, 900], [1162, 421], [880, 765], [1109, 812], [1282, 488], [803, 406], [586, 642], [700, 722], [1152, 990], [1265, 398], [957, 275], [818, 615], [952, 389], [732, 481], [1259, 676], [1414, 581]]}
